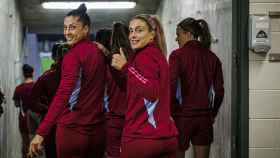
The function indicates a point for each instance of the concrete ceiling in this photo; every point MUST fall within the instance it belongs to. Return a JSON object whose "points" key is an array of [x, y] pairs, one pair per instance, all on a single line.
{"points": [[40, 20]]}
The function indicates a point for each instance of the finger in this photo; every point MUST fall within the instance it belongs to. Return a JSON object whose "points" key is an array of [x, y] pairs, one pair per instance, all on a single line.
{"points": [[114, 60], [40, 149], [40, 152], [113, 63], [30, 150], [34, 150], [40, 146], [122, 53], [119, 57], [115, 56], [97, 43], [29, 155], [99, 46]]}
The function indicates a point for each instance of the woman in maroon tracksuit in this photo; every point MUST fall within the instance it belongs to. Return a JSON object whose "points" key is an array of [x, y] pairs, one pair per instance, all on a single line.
{"points": [[116, 91], [45, 87], [77, 108], [149, 131], [198, 71], [43, 92], [22, 99]]}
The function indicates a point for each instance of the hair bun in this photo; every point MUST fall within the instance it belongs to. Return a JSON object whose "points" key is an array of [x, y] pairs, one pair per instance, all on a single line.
{"points": [[82, 8]]}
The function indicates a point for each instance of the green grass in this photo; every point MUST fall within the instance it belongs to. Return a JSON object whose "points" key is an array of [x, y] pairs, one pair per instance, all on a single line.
{"points": [[46, 63]]}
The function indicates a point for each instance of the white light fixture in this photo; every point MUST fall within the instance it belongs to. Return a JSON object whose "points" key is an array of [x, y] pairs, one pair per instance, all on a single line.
{"points": [[90, 5]]}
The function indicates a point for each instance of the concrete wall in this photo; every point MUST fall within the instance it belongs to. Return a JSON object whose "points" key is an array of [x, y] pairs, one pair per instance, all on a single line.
{"points": [[264, 109], [218, 14], [10, 50]]}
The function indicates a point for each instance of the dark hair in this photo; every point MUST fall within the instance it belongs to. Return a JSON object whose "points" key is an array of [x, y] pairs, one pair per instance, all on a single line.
{"points": [[81, 12], [199, 29], [54, 51], [103, 36], [59, 50], [120, 39], [154, 25], [2, 98], [27, 71]]}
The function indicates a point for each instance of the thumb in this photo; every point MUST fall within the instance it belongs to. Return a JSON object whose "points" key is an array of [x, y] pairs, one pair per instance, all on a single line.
{"points": [[122, 53]]}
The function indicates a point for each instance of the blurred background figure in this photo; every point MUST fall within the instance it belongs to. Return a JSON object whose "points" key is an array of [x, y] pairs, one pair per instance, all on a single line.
{"points": [[103, 36], [2, 101], [22, 101], [115, 88], [44, 90], [199, 72]]}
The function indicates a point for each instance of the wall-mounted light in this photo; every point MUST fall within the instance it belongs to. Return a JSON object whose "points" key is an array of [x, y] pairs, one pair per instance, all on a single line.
{"points": [[90, 5]]}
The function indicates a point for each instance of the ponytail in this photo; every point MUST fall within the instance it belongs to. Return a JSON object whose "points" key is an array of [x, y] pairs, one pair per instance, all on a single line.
{"points": [[120, 39], [160, 37], [204, 33], [199, 29]]}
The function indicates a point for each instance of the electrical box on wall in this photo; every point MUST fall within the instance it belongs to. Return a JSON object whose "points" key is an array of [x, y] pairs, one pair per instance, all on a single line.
{"points": [[260, 36]]}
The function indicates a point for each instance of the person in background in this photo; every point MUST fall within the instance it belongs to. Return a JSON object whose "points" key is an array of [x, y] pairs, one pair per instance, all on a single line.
{"points": [[45, 89], [149, 131], [116, 90], [77, 108], [2, 100], [103, 42], [198, 71], [103, 37], [22, 99]]}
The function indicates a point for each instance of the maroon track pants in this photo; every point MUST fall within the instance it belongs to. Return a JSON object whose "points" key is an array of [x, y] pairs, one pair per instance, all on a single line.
{"points": [[24, 132], [114, 127], [72, 144], [50, 147], [149, 148]]}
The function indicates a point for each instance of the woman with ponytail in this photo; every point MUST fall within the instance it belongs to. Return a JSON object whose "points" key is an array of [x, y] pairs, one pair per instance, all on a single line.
{"points": [[196, 73], [149, 131], [77, 108], [115, 85], [116, 91]]}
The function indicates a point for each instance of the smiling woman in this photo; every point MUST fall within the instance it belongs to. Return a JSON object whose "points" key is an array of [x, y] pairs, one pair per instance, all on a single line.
{"points": [[76, 28], [149, 131], [77, 108]]}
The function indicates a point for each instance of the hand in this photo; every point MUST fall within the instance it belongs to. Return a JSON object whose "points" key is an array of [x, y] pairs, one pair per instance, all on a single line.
{"points": [[118, 60], [36, 146], [105, 51]]}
